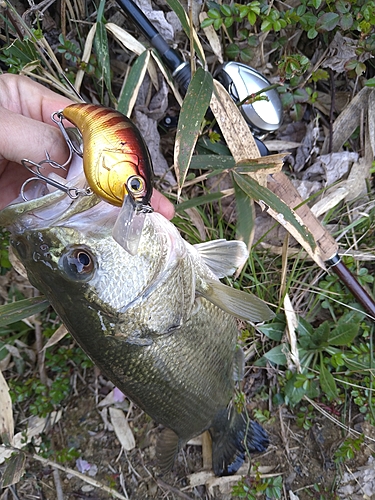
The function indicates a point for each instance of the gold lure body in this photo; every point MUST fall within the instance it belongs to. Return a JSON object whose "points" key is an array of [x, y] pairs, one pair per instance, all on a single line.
{"points": [[116, 160]]}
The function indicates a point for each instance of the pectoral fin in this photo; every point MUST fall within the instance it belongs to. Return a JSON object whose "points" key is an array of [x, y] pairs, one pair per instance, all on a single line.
{"points": [[223, 257], [240, 304]]}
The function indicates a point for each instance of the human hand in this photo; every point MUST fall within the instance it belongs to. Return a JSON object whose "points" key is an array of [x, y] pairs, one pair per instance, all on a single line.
{"points": [[27, 131]]}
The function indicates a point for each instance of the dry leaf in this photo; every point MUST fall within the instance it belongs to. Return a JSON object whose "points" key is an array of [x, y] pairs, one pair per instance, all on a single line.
{"points": [[233, 126], [212, 38], [111, 399], [292, 324], [125, 38], [85, 57], [35, 426], [333, 198], [292, 496], [347, 121], [341, 50], [6, 413], [356, 182], [56, 337], [277, 145], [371, 121], [122, 429]]}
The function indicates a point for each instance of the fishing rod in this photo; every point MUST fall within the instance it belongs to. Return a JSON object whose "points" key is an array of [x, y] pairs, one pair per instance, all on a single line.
{"points": [[240, 80], [262, 117]]}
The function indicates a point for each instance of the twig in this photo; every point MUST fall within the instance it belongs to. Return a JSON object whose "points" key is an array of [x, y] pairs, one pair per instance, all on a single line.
{"points": [[57, 480], [172, 489], [331, 111], [86, 479]]}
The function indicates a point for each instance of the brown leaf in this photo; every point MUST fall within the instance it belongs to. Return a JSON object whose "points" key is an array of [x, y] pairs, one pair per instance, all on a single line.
{"points": [[6, 413]]}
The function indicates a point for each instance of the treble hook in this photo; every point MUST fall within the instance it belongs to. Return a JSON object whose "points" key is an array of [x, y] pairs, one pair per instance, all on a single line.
{"points": [[57, 118], [72, 192]]}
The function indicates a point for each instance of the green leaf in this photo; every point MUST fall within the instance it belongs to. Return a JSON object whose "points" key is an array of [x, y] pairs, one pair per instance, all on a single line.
{"points": [[214, 14], [327, 382], [266, 25], [130, 89], [293, 395], [184, 20], [218, 23], [327, 22], [320, 335], [193, 110], [252, 18], [260, 193], [102, 53], [199, 200], [245, 215], [17, 311], [232, 50], [344, 332], [304, 328], [226, 10], [273, 331], [206, 22], [276, 355], [312, 33], [228, 21], [370, 82]]}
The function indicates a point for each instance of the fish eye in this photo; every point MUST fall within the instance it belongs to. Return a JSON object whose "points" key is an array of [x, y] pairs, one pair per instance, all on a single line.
{"points": [[78, 263], [136, 185]]}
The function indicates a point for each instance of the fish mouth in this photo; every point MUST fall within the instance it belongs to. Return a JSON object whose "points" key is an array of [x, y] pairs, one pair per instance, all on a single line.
{"points": [[43, 205]]}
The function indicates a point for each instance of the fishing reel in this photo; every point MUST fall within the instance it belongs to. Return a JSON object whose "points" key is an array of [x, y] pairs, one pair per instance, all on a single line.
{"points": [[241, 81]]}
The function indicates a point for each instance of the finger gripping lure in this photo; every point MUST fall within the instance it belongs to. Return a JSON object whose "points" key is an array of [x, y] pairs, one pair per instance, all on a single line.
{"points": [[116, 160]]}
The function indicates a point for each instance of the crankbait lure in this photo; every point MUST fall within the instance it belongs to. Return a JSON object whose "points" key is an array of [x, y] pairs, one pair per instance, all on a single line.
{"points": [[116, 163]]}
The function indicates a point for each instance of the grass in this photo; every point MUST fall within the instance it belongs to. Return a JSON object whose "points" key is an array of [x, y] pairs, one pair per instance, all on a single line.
{"points": [[332, 371]]}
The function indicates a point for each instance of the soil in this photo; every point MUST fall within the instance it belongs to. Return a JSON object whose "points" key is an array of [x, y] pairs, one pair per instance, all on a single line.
{"points": [[303, 458]]}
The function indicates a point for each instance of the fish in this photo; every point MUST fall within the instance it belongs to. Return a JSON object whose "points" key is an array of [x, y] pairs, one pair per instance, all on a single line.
{"points": [[159, 324]]}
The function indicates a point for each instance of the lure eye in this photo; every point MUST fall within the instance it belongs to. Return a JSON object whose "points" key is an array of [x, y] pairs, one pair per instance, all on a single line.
{"points": [[78, 263], [136, 185]]}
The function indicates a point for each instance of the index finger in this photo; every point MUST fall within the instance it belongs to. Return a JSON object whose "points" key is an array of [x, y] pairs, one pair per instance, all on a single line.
{"points": [[28, 98]]}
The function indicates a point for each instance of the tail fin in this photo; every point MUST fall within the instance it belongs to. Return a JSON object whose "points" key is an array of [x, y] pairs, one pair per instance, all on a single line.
{"points": [[233, 434]]}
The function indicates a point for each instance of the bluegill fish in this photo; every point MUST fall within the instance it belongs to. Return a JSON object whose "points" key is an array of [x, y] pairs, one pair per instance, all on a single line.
{"points": [[159, 323]]}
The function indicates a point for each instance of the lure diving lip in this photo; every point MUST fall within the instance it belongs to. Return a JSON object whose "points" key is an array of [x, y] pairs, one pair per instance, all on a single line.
{"points": [[116, 163]]}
